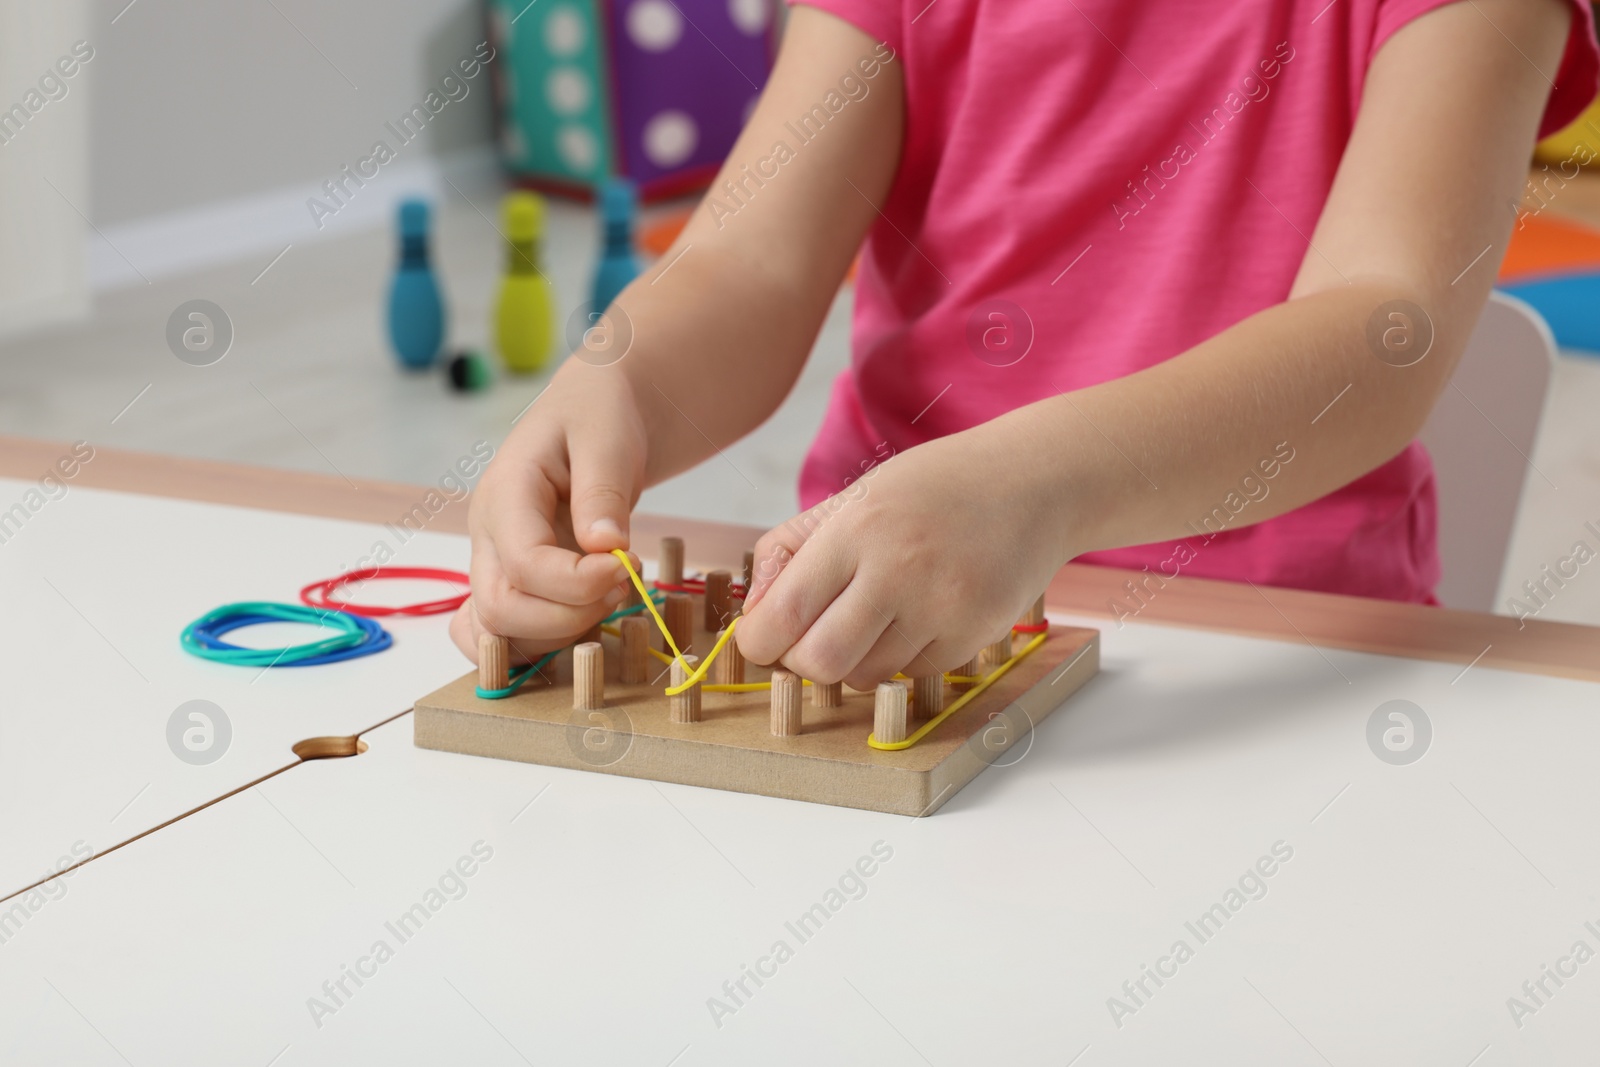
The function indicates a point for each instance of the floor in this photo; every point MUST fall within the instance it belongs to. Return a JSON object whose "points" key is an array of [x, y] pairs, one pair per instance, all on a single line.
{"points": [[309, 383]]}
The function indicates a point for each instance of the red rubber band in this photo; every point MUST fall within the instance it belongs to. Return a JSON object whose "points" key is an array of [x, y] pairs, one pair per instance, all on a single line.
{"points": [[686, 587], [1031, 627], [698, 585], [320, 594]]}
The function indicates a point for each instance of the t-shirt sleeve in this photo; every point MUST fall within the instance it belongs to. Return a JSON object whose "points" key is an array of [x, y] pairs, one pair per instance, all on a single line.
{"points": [[878, 19], [1575, 83]]}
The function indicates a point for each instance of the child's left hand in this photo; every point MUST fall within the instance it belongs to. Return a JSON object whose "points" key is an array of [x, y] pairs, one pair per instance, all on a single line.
{"points": [[915, 567]]}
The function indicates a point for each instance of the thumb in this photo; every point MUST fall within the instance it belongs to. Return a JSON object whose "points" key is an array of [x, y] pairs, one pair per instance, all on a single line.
{"points": [[607, 472]]}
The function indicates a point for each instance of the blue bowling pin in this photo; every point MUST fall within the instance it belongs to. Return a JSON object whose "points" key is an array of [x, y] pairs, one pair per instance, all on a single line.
{"points": [[618, 264], [416, 310]]}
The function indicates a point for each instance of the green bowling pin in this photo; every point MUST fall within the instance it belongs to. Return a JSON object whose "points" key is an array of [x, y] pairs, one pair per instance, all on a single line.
{"points": [[525, 312]]}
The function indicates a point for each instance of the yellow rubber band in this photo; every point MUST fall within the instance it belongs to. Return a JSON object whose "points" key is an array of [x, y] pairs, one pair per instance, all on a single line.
{"points": [[692, 677], [656, 652], [638, 583], [959, 703], [705, 664], [950, 676]]}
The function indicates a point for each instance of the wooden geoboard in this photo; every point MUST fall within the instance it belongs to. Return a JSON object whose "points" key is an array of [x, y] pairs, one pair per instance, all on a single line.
{"points": [[732, 748]]}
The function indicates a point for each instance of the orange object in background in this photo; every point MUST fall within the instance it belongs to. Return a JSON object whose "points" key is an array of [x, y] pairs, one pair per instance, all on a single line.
{"points": [[656, 237], [1542, 246]]}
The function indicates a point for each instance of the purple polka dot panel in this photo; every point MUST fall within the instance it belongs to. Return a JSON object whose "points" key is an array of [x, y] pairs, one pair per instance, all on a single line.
{"points": [[655, 91]]}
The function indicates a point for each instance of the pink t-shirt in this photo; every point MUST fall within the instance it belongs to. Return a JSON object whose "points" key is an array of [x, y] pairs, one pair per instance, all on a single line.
{"points": [[1074, 204]]}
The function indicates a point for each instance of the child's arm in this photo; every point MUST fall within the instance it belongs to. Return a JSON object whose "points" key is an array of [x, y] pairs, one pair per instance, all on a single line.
{"points": [[950, 541], [720, 329]]}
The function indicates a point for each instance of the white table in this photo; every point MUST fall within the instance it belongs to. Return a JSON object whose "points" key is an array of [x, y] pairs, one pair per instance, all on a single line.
{"points": [[1417, 900]]}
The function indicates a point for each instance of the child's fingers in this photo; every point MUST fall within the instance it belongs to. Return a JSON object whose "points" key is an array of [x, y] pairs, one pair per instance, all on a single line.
{"points": [[604, 485], [831, 647], [895, 651], [525, 618], [940, 656], [518, 525], [463, 632], [519, 547], [560, 576], [466, 626], [772, 554], [789, 601], [504, 602]]}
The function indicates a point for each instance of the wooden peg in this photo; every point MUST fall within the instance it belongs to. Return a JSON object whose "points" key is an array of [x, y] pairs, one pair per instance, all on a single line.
{"points": [[785, 704], [1035, 614], [684, 706], [889, 712], [588, 677], [969, 669], [719, 599], [669, 565], [927, 695], [679, 617], [999, 652], [827, 696], [729, 666], [494, 661], [749, 571], [635, 650]]}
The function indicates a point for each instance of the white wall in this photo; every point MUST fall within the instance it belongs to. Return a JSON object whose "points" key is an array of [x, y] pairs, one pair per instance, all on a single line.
{"points": [[44, 175], [206, 100], [199, 129]]}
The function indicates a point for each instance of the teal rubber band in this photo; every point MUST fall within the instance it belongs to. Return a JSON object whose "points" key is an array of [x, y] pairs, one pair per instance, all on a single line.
{"points": [[658, 598], [518, 677]]}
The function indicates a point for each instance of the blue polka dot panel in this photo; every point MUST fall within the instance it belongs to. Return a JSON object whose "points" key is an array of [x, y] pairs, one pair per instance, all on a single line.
{"points": [[655, 91]]}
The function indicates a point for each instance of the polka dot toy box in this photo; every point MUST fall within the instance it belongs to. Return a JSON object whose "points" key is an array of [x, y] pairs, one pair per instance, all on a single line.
{"points": [[655, 91]]}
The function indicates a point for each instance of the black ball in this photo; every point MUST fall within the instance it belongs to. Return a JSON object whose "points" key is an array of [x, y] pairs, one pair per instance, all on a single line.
{"points": [[468, 370]]}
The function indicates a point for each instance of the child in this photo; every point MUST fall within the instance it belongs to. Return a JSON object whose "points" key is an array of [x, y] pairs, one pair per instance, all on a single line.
{"points": [[1162, 284]]}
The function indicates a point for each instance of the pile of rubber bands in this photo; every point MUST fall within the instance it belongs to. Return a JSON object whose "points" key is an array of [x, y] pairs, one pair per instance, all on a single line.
{"points": [[356, 633]]}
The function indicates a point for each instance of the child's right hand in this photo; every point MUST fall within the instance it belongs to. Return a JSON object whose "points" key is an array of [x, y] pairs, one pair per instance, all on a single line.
{"points": [[550, 508]]}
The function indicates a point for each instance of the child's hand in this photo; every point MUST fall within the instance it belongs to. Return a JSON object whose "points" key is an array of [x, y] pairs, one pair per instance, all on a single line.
{"points": [[552, 505], [915, 567]]}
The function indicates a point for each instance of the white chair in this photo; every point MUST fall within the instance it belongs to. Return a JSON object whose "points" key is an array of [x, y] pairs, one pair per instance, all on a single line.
{"points": [[1481, 434]]}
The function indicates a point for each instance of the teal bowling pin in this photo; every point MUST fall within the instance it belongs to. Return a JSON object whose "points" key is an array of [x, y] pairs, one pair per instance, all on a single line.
{"points": [[618, 265], [416, 310]]}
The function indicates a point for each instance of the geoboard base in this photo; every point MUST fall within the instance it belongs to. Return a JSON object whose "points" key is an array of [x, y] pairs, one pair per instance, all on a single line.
{"points": [[829, 762]]}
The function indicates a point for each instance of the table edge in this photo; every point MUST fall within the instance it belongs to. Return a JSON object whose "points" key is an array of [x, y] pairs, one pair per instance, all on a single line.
{"points": [[1322, 620]]}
